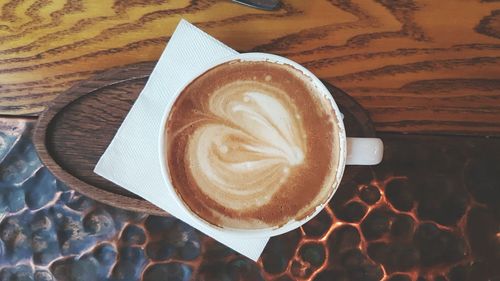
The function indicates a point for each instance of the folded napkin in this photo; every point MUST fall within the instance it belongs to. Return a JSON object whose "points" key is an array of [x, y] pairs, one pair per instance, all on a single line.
{"points": [[132, 158]]}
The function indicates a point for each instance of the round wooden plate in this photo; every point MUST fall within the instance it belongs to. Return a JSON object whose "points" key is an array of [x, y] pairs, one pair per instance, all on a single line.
{"points": [[79, 124]]}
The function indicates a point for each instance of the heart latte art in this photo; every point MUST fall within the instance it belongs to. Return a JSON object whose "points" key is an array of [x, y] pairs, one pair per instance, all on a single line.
{"points": [[251, 145], [241, 160]]}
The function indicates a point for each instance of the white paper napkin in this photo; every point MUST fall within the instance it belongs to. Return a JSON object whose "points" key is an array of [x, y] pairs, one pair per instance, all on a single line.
{"points": [[132, 158]]}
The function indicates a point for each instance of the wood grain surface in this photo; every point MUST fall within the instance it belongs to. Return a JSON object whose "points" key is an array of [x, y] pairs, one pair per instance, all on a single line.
{"points": [[416, 65], [73, 133]]}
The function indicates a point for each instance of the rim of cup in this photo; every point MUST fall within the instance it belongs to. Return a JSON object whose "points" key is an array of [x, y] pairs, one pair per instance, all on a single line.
{"points": [[198, 221]]}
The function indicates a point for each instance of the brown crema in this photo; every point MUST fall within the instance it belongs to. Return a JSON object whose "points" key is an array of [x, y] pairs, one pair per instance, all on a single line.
{"points": [[252, 145]]}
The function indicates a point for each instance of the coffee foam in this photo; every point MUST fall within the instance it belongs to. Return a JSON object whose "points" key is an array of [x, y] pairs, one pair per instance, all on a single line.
{"points": [[241, 161], [248, 146]]}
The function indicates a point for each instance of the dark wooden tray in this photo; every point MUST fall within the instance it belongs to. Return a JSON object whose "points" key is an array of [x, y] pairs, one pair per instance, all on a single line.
{"points": [[78, 125]]}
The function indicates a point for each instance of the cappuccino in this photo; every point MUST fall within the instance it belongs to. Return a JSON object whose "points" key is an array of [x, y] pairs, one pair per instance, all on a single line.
{"points": [[252, 144]]}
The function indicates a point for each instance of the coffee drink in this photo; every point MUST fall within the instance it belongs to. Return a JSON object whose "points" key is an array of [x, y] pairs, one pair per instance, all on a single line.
{"points": [[252, 144]]}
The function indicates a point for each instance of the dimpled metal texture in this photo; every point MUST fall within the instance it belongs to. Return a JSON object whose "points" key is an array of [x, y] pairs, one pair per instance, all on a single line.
{"points": [[429, 212]]}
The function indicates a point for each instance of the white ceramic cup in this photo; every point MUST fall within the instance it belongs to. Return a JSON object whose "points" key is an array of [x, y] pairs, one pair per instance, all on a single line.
{"points": [[353, 151]]}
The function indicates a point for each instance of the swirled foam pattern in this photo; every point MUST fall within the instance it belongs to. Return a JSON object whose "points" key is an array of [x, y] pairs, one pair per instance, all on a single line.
{"points": [[252, 144]]}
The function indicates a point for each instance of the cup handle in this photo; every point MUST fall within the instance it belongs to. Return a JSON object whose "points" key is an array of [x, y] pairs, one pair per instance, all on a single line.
{"points": [[364, 151]]}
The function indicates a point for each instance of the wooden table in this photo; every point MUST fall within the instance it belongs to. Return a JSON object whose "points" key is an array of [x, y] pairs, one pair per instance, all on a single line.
{"points": [[418, 66]]}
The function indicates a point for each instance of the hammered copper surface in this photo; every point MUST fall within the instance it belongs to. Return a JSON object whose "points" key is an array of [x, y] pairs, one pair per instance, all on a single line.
{"points": [[429, 212]]}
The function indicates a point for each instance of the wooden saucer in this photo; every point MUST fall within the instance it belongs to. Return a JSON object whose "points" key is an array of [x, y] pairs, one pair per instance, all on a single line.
{"points": [[79, 124]]}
